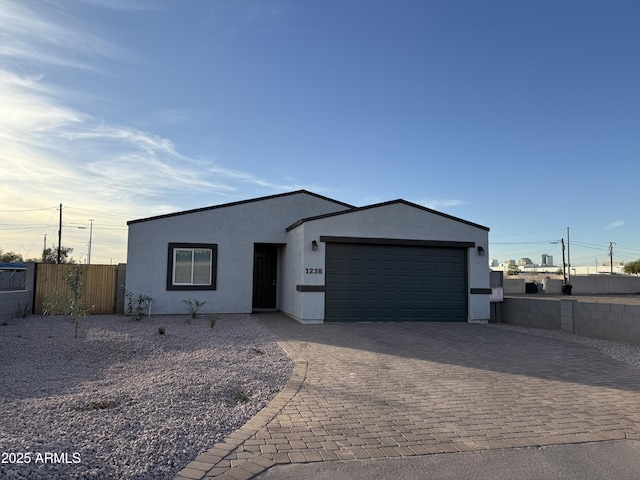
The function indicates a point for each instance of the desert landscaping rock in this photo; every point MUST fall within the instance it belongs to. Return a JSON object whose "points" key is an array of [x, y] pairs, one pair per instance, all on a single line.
{"points": [[122, 400], [621, 351]]}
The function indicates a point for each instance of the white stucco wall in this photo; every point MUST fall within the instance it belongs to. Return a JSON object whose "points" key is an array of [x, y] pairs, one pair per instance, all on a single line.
{"points": [[394, 221], [292, 258], [235, 229]]}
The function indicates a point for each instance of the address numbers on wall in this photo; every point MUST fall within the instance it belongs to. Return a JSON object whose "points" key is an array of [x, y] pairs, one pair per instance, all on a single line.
{"points": [[313, 271]]}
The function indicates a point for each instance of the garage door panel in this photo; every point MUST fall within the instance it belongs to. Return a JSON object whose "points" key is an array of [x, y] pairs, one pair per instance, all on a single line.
{"points": [[395, 283]]}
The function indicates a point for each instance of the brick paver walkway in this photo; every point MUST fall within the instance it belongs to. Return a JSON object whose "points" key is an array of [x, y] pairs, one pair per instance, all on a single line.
{"points": [[365, 391]]}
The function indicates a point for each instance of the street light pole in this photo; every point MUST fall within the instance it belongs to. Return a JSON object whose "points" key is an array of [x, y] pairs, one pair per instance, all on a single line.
{"points": [[90, 239], [59, 234]]}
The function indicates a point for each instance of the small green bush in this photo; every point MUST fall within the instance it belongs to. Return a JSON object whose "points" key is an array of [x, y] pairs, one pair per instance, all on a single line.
{"points": [[241, 397], [54, 304], [136, 305], [193, 306]]}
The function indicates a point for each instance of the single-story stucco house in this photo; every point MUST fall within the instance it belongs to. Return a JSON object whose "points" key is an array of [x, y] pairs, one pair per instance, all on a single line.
{"points": [[315, 259]]}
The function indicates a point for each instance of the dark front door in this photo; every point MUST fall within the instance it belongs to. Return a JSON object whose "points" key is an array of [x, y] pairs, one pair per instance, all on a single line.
{"points": [[265, 266]]}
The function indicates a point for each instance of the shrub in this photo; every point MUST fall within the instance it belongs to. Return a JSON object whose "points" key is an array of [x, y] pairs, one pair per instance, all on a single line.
{"points": [[194, 306], [136, 305], [241, 397], [54, 304]]}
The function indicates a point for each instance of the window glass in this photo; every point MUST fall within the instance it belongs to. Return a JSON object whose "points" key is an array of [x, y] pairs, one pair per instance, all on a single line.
{"points": [[182, 266], [192, 266], [202, 267]]}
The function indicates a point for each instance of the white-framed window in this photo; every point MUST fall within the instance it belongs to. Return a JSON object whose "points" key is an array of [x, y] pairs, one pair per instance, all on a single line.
{"points": [[191, 266]]}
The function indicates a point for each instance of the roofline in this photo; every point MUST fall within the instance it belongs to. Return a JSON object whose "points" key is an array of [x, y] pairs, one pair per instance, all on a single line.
{"points": [[384, 204], [241, 202]]}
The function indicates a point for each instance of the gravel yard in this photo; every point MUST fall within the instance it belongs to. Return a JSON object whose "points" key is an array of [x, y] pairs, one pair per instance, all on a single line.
{"points": [[123, 400], [623, 352]]}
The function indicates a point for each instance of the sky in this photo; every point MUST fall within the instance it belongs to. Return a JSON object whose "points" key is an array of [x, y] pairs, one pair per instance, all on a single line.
{"points": [[523, 116]]}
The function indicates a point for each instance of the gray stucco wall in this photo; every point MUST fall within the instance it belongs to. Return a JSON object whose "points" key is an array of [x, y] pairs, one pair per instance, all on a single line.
{"points": [[291, 302], [235, 229]]}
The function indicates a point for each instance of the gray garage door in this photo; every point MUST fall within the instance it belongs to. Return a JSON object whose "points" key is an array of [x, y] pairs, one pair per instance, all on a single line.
{"points": [[395, 283]]}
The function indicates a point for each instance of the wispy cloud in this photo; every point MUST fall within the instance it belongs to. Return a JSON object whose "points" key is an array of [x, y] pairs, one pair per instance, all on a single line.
{"points": [[51, 152], [616, 224], [127, 5], [38, 37], [440, 204], [173, 116]]}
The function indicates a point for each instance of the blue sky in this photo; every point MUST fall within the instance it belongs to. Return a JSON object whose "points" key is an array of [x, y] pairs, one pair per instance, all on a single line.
{"points": [[523, 116]]}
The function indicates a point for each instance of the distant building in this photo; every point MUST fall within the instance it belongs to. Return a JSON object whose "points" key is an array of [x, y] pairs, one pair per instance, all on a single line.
{"points": [[495, 265], [525, 265], [618, 269]]}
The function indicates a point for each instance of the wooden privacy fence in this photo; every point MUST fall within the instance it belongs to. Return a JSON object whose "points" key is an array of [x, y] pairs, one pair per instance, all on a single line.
{"points": [[99, 286]]}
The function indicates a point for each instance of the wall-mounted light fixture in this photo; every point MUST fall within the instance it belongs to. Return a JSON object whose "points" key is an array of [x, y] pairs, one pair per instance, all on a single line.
{"points": [[314, 245], [481, 251]]}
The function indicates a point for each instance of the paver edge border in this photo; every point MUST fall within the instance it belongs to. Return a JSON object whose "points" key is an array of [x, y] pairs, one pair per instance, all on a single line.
{"points": [[195, 469]]}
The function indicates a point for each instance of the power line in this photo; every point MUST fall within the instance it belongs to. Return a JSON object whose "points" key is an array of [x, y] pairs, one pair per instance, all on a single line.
{"points": [[536, 242], [31, 210], [523, 233], [98, 213]]}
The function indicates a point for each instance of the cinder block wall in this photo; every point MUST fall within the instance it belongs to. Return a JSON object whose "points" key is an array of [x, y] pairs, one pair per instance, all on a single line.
{"points": [[532, 312], [552, 285], [513, 286], [605, 284], [609, 321], [598, 320], [18, 303]]}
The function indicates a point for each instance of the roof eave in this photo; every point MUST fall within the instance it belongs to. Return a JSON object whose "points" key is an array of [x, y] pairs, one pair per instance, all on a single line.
{"points": [[240, 202], [384, 204]]}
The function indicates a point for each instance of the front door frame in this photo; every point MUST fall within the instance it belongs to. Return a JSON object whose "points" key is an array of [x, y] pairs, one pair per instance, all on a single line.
{"points": [[265, 276]]}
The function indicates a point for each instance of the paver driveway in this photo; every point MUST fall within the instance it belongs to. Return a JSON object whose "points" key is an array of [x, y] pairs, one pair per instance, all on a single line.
{"points": [[363, 390]]}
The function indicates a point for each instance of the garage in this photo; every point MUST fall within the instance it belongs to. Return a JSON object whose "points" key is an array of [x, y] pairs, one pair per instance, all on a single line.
{"points": [[395, 281]]}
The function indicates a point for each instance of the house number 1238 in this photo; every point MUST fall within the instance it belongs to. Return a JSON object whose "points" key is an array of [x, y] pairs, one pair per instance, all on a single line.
{"points": [[313, 271]]}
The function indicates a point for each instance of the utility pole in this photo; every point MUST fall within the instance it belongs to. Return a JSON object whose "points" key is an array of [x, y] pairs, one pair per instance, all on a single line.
{"points": [[59, 233], [564, 265], [90, 237], [45, 247], [568, 257], [611, 244]]}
